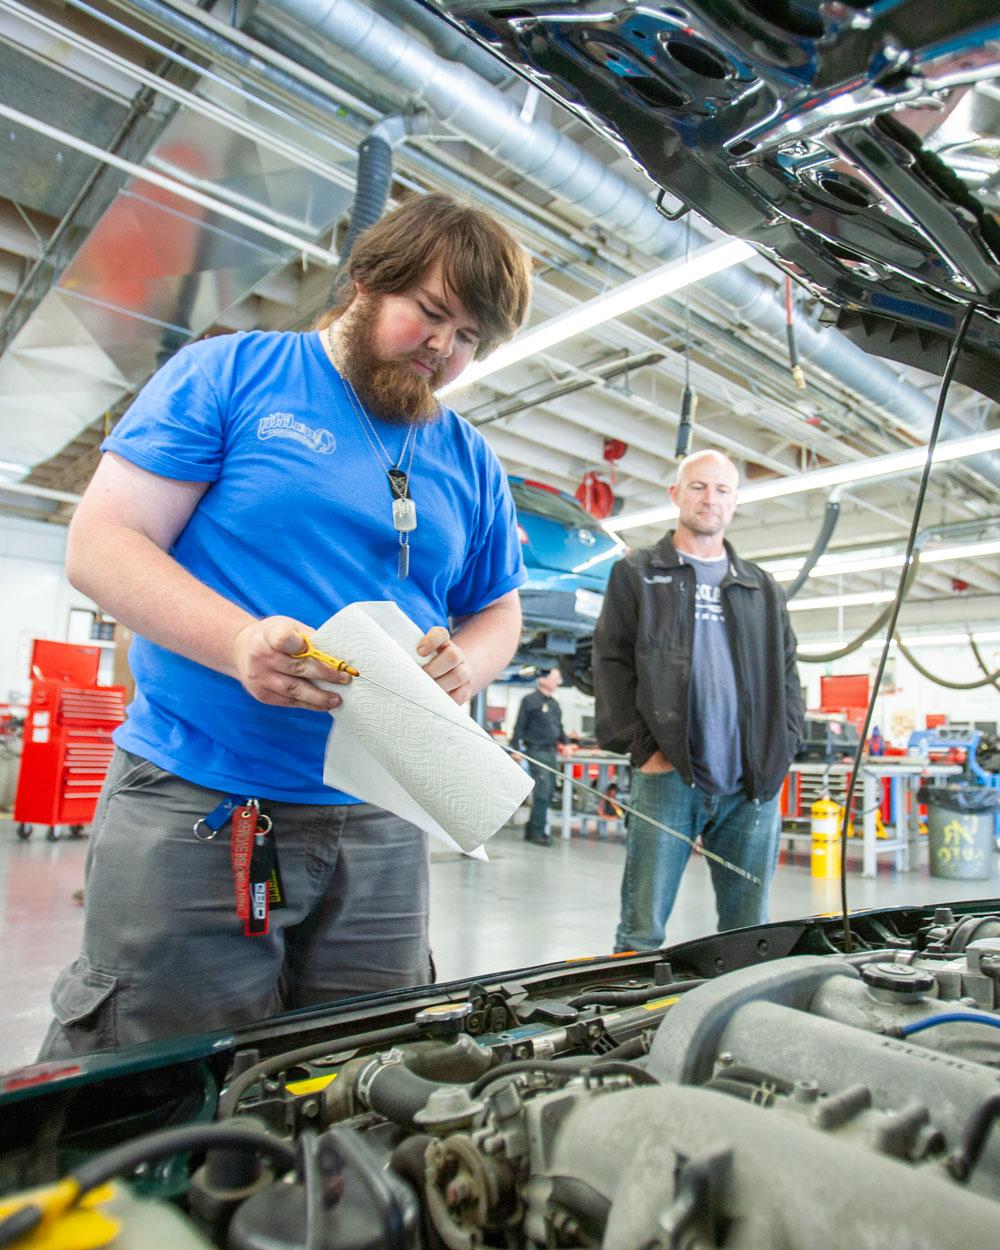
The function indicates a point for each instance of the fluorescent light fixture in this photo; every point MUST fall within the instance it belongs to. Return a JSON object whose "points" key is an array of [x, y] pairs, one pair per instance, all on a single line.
{"points": [[9, 466], [863, 599], [970, 551], [941, 640], [623, 299], [837, 567], [892, 465]]}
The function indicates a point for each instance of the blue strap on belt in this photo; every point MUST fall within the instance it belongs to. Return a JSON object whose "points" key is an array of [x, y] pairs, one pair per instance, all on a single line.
{"points": [[217, 817]]}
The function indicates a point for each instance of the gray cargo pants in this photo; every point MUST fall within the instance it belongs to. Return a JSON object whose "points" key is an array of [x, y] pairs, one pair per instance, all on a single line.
{"points": [[163, 950]]}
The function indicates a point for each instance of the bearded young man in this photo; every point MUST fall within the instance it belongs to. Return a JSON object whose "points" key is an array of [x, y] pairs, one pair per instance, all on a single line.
{"points": [[259, 483], [695, 676]]}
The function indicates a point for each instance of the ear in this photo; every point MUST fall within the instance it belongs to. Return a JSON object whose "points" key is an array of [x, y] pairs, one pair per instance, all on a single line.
{"points": [[672, 491], [360, 288]]}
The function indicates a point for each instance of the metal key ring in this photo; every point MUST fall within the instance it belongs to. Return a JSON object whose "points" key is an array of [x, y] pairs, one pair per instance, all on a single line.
{"points": [[261, 827], [203, 837]]}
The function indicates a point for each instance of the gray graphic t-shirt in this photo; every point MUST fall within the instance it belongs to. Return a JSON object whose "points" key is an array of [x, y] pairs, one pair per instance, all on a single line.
{"points": [[713, 728]]}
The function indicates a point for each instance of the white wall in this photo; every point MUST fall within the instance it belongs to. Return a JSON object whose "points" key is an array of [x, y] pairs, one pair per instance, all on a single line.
{"points": [[908, 695], [35, 597]]}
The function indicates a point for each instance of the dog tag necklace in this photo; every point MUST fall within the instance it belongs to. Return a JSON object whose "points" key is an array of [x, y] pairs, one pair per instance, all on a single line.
{"points": [[404, 510]]}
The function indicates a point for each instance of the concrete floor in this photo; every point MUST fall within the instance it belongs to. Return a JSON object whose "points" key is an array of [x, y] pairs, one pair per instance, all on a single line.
{"points": [[529, 905]]}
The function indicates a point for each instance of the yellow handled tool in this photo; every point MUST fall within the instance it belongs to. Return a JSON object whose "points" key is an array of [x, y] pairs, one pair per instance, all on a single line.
{"points": [[312, 652]]}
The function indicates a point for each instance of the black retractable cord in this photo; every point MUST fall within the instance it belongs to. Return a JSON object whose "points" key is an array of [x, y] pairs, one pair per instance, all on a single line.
{"points": [[901, 588], [689, 400]]}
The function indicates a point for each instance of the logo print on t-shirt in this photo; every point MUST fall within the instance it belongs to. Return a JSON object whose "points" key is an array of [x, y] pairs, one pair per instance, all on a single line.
{"points": [[284, 425], [708, 603]]}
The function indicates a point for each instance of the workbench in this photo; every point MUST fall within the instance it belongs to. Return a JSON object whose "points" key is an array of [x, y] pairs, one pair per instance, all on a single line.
{"points": [[610, 767], [904, 775]]}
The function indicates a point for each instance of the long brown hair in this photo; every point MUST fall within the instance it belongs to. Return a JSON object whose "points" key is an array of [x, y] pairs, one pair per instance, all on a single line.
{"points": [[481, 263]]}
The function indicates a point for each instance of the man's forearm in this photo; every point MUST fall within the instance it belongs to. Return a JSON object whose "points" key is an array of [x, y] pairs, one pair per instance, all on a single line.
{"points": [[130, 578], [489, 640]]}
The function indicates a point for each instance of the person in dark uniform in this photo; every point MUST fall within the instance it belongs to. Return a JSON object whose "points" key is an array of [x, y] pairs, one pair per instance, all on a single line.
{"points": [[537, 731]]}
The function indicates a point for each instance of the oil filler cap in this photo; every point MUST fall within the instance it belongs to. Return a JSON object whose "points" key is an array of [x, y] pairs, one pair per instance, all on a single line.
{"points": [[898, 983]]}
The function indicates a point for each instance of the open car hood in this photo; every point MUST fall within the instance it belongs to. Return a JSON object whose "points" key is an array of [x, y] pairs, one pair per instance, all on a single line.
{"points": [[857, 146], [750, 1089]]}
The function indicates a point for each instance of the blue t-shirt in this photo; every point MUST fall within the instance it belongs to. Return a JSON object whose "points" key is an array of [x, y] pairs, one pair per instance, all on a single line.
{"points": [[713, 723], [297, 522]]}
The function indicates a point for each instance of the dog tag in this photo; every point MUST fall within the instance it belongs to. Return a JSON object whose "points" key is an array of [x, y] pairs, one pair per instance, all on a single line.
{"points": [[404, 515]]}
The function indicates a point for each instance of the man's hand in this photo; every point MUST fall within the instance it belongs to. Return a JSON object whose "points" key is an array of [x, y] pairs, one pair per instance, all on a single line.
{"points": [[447, 665], [262, 656]]}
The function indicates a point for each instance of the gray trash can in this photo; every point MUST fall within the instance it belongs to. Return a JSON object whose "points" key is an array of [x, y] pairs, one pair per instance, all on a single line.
{"points": [[960, 830]]}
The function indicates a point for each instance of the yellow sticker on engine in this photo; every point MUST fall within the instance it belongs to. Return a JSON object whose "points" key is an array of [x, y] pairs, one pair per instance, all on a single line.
{"points": [[76, 1227], [312, 1085], [661, 1002]]}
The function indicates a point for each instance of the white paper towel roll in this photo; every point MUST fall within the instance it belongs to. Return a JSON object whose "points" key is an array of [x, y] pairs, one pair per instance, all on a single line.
{"points": [[403, 745]]}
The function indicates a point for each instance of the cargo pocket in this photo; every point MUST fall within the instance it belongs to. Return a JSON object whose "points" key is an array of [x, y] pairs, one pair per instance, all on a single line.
{"points": [[83, 1004]]}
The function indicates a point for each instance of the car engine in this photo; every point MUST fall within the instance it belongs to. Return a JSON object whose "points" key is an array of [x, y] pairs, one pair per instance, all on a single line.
{"points": [[753, 1090]]}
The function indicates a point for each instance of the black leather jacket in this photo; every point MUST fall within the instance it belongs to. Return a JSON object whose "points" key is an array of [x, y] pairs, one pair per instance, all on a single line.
{"points": [[642, 664]]}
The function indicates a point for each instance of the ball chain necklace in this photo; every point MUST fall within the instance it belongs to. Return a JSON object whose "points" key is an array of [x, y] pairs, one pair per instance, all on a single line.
{"points": [[404, 510]]}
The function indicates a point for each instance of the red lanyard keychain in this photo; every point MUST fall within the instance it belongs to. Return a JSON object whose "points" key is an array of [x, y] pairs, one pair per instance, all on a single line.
{"points": [[245, 820], [256, 877], [255, 868]]}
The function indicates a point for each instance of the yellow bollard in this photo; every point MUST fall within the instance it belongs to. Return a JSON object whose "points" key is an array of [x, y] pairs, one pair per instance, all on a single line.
{"points": [[824, 826]]}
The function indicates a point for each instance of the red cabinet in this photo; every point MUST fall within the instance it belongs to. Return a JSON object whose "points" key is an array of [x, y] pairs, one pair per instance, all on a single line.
{"points": [[67, 736]]}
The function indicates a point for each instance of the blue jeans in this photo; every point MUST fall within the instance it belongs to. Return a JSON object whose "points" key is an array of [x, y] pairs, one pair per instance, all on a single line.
{"points": [[743, 831]]}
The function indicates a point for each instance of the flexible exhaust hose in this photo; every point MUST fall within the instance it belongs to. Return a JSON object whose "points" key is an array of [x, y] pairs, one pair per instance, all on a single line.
{"points": [[961, 528], [989, 679], [370, 196], [830, 517], [813, 657], [982, 663]]}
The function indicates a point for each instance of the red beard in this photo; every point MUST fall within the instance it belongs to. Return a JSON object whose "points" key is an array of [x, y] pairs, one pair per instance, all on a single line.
{"points": [[392, 390]]}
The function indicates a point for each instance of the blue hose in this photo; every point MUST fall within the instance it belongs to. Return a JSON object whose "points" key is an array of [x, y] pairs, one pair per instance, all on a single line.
{"points": [[949, 1017]]}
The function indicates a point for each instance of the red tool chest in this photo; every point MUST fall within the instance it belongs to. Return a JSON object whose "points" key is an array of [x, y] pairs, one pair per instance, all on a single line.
{"points": [[67, 737]]}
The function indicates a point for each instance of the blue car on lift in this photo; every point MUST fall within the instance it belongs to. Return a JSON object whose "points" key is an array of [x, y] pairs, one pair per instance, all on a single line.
{"points": [[569, 556]]}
